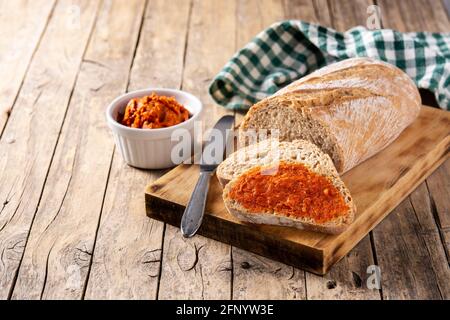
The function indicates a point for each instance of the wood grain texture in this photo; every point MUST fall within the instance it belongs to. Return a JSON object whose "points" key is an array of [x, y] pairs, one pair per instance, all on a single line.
{"points": [[348, 14], [34, 127], [347, 280], [439, 190], [19, 37], [207, 278], [411, 255], [412, 267], [411, 158], [256, 277], [446, 240], [256, 15], [315, 11], [414, 15], [56, 260], [127, 256]]}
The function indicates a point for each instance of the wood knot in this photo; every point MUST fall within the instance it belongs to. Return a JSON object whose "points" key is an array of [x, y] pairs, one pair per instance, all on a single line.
{"points": [[357, 279], [225, 266], [14, 247], [331, 284], [155, 187], [188, 259], [82, 256], [150, 261]]}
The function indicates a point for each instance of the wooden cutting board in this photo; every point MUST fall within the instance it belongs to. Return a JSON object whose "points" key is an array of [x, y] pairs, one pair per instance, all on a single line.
{"points": [[378, 185]]}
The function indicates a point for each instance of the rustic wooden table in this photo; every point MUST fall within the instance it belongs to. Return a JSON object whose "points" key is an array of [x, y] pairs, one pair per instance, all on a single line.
{"points": [[72, 216]]}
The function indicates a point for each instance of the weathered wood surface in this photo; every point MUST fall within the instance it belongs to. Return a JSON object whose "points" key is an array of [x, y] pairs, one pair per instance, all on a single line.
{"points": [[44, 80], [56, 261], [19, 38], [28, 141]]}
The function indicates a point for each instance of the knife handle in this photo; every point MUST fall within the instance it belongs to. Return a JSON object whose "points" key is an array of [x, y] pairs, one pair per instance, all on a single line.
{"points": [[195, 209]]}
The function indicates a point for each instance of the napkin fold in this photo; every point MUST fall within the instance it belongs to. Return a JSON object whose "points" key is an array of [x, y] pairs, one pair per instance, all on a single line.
{"points": [[289, 50]]}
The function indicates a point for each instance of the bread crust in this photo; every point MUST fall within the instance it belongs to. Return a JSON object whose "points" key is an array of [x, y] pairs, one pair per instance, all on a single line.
{"points": [[351, 109], [271, 219]]}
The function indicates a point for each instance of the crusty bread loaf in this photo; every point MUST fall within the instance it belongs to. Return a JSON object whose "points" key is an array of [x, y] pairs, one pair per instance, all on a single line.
{"points": [[351, 110], [264, 155]]}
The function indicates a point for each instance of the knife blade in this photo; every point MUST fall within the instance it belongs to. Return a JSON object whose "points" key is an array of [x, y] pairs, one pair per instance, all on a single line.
{"points": [[212, 156]]}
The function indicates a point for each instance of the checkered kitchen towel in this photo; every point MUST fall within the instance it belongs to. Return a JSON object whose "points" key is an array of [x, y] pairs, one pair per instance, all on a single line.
{"points": [[289, 50]]}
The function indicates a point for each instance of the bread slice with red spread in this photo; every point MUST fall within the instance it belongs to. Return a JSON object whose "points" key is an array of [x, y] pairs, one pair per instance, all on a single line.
{"points": [[301, 188]]}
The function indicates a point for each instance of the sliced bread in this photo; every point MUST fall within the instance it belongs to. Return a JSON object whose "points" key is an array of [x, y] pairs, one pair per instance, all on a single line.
{"points": [[299, 188]]}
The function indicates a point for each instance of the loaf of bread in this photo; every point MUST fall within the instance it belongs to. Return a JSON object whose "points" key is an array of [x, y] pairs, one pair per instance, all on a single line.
{"points": [[290, 184], [351, 110]]}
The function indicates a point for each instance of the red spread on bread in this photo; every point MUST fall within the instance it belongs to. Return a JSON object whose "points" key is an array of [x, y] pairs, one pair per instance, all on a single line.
{"points": [[293, 190]]}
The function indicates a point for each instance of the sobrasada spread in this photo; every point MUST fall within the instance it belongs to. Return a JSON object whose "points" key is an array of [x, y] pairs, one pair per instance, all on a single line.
{"points": [[293, 190], [151, 112]]}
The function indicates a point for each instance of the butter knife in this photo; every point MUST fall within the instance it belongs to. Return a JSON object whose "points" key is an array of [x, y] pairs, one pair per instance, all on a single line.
{"points": [[212, 156]]}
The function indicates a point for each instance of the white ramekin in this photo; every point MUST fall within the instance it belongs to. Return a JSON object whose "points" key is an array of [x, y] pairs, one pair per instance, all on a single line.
{"points": [[150, 148]]}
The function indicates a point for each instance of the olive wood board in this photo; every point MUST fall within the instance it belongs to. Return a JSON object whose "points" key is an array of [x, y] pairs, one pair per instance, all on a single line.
{"points": [[377, 185]]}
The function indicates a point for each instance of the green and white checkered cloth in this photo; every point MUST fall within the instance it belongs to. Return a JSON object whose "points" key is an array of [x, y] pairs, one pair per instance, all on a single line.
{"points": [[289, 50]]}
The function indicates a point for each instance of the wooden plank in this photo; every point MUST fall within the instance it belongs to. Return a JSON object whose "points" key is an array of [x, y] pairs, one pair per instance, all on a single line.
{"points": [[28, 142], [254, 16], [349, 13], [414, 15], [315, 11], [127, 255], [199, 267], [256, 277], [22, 24], [409, 257], [446, 4], [411, 158], [56, 260], [446, 240], [439, 188], [433, 236], [347, 280]]}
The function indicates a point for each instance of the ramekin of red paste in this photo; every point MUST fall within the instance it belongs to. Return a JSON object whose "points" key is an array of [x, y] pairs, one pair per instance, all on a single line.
{"points": [[143, 121]]}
